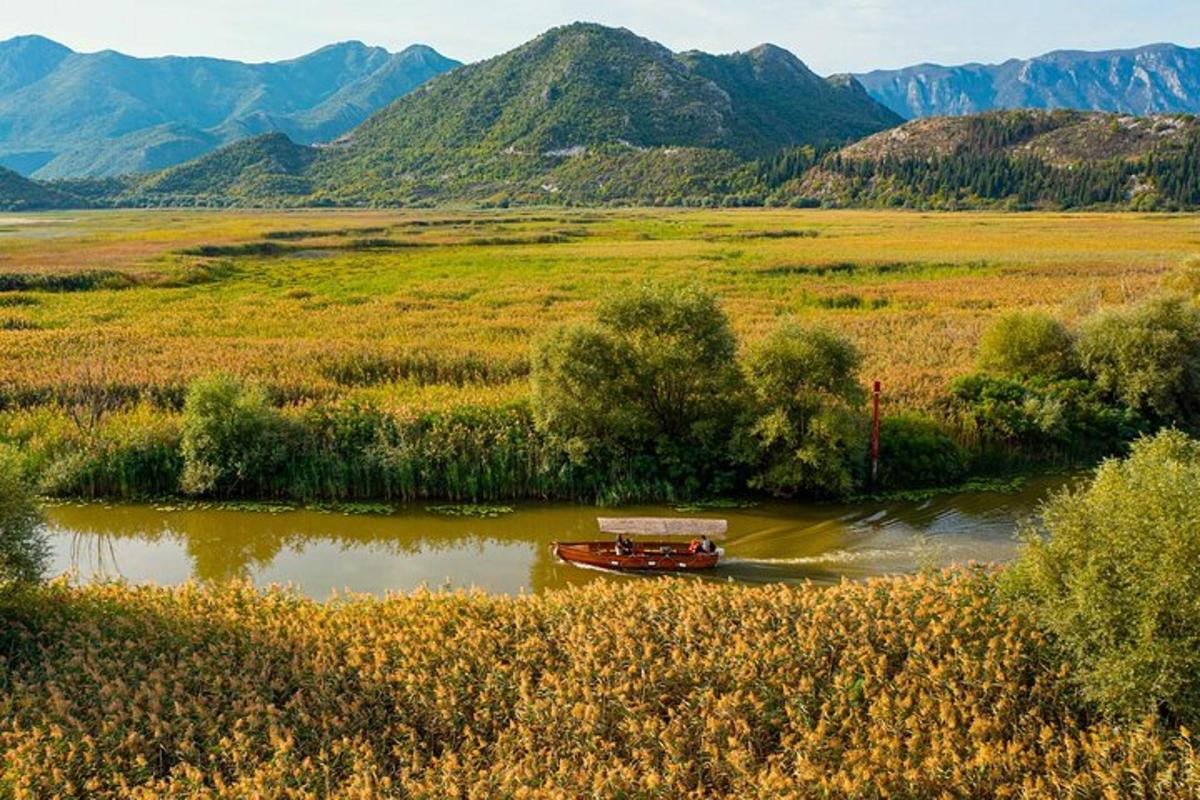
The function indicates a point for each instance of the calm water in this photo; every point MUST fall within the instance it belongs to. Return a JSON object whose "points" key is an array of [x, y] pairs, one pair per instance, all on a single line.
{"points": [[325, 552]]}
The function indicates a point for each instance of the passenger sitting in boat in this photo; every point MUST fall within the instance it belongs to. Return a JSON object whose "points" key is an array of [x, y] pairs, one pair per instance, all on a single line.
{"points": [[624, 546], [703, 545]]}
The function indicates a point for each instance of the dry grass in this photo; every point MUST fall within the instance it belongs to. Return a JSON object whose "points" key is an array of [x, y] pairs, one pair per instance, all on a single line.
{"points": [[913, 687], [914, 290]]}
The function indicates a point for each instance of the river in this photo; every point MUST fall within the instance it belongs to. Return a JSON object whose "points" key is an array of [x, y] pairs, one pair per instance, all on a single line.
{"points": [[320, 553]]}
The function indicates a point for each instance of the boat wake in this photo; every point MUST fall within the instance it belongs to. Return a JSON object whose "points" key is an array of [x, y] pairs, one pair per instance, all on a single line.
{"points": [[831, 557], [593, 567]]}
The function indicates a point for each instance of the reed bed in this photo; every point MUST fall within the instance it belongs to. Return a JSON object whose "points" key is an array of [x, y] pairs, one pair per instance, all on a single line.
{"points": [[926, 686], [321, 304]]}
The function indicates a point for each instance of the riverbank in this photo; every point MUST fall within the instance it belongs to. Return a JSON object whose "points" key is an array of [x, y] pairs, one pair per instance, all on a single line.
{"points": [[320, 551], [917, 687]]}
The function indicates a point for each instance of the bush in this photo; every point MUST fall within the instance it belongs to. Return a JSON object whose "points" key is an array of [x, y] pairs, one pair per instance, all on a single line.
{"points": [[1148, 357], [133, 453], [805, 435], [655, 376], [915, 452], [232, 438], [23, 547], [1117, 584], [1027, 343], [1185, 278], [1039, 419]]}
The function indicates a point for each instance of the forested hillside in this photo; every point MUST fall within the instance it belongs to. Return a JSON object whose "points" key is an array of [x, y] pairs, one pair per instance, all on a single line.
{"points": [[1019, 159]]}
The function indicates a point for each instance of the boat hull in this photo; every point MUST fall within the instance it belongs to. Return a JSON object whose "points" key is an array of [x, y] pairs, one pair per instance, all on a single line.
{"points": [[647, 557]]}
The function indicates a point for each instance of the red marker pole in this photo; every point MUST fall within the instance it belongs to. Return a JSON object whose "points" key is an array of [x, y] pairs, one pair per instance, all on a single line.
{"points": [[875, 436]]}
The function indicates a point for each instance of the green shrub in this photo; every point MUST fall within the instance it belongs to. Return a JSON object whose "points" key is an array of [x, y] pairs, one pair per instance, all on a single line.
{"points": [[915, 452], [1027, 343], [134, 453], [23, 547], [1037, 419], [1148, 357], [654, 377], [805, 434], [233, 440], [1117, 582]]}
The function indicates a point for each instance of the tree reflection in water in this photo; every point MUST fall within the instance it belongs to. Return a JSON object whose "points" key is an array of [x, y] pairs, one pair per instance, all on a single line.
{"points": [[323, 552]]}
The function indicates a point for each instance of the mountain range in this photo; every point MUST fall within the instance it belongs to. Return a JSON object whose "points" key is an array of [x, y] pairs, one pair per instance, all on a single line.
{"points": [[1155, 79], [67, 114], [581, 111], [586, 114]]}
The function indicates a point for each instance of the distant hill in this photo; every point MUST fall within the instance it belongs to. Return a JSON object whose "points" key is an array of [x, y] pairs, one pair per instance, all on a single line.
{"points": [[1021, 159], [18, 193], [584, 85], [269, 165], [65, 114], [1155, 79], [589, 115], [568, 114]]}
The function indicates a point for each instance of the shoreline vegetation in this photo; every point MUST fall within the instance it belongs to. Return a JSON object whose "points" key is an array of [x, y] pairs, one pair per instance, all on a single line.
{"points": [[649, 390], [1071, 673], [917, 686], [655, 404], [737, 371]]}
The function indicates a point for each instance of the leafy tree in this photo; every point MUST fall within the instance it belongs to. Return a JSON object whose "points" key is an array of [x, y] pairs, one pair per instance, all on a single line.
{"points": [[1148, 356], [805, 435], [1062, 420], [232, 438], [1116, 580], [655, 375], [23, 547], [1028, 343], [915, 452]]}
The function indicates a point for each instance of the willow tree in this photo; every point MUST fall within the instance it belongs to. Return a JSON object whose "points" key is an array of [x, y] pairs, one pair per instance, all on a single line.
{"points": [[651, 384], [806, 434]]}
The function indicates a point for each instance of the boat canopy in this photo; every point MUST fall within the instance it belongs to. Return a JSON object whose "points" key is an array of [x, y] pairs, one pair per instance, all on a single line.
{"points": [[663, 526]]}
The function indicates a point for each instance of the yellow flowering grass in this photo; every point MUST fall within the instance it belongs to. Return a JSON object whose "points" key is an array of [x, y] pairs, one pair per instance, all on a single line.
{"points": [[924, 686], [388, 302]]}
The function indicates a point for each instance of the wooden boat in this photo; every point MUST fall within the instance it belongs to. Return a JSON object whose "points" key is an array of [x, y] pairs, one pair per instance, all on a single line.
{"points": [[656, 553]]}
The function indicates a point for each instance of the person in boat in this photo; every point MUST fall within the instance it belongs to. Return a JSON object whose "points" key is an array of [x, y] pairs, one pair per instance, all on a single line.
{"points": [[624, 546], [702, 545]]}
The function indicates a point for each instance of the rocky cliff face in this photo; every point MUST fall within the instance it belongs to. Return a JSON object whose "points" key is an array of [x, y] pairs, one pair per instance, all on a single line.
{"points": [[1159, 78]]}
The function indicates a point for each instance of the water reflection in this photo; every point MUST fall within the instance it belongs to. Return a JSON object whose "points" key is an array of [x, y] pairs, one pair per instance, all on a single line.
{"points": [[323, 552]]}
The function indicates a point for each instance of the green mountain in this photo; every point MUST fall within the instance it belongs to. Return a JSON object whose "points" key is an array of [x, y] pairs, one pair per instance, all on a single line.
{"points": [[18, 193], [585, 85], [1021, 159], [65, 114], [583, 113], [269, 165]]}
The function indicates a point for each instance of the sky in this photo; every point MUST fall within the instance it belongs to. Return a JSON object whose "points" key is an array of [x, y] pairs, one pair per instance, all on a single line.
{"points": [[830, 35]]}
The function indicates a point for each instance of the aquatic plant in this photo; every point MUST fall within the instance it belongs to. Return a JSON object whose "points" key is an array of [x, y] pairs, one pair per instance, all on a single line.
{"points": [[470, 510], [918, 687]]}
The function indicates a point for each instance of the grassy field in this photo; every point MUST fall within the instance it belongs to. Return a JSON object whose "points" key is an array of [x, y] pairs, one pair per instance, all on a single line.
{"points": [[421, 310], [912, 687]]}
